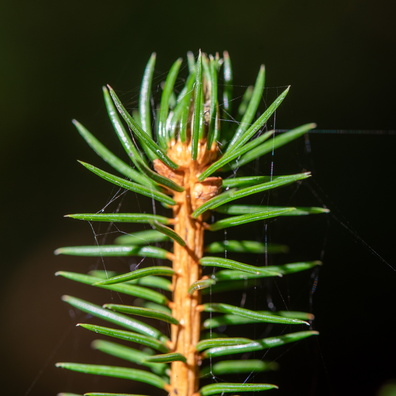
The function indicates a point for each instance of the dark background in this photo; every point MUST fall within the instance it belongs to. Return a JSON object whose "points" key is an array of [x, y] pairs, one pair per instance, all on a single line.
{"points": [[339, 58]]}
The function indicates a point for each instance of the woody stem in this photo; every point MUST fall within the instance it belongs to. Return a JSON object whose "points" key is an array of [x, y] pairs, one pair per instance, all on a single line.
{"points": [[185, 336]]}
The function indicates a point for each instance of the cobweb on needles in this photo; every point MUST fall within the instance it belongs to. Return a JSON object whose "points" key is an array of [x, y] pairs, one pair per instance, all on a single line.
{"points": [[268, 295], [303, 367]]}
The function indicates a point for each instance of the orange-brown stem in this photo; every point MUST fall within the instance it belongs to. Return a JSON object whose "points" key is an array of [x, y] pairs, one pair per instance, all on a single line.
{"points": [[184, 376], [185, 306]]}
